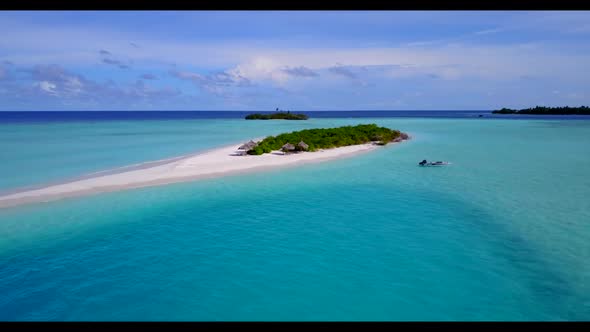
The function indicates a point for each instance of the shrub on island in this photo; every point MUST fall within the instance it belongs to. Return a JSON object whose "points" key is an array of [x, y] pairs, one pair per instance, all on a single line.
{"points": [[328, 138]]}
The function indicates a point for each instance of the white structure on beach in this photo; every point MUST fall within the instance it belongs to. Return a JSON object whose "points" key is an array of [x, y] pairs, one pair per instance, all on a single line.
{"points": [[303, 146], [244, 148], [288, 147]]}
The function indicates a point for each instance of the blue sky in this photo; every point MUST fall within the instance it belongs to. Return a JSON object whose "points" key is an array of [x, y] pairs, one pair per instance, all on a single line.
{"points": [[300, 60]]}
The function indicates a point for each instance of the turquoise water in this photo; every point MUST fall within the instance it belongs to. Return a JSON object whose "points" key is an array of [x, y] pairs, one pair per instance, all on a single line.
{"points": [[502, 234], [44, 153]]}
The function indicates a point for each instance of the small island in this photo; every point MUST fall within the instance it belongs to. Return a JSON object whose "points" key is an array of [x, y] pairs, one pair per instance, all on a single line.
{"points": [[541, 110], [253, 156], [315, 139], [279, 115]]}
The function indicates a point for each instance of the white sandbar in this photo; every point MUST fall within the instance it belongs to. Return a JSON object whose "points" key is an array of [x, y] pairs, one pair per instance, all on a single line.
{"points": [[214, 163]]}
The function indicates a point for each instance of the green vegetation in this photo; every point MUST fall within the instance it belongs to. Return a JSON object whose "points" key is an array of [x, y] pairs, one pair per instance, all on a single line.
{"points": [[277, 116], [329, 138], [583, 110]]}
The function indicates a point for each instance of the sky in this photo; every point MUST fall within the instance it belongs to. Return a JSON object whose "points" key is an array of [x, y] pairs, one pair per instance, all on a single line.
{"points": [[296, 60]]}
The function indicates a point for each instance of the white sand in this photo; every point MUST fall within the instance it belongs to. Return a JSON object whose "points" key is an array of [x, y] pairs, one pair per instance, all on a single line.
{"points": [[214, 163]]}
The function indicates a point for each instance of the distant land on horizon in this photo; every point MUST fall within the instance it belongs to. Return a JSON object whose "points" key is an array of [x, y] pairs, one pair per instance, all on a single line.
{"points": [[542, 110], [277, 116], [254, 111], [128, 115]]}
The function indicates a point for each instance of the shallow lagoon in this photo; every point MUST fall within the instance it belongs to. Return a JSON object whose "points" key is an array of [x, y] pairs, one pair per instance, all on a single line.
{"points": [[502, 234]]}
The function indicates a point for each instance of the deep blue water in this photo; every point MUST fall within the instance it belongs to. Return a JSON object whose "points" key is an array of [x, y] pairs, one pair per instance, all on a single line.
{"points": [[65, 116]]}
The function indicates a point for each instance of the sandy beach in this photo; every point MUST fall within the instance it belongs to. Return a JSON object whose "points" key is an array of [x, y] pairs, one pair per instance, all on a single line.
{"points": [[209, 164]]}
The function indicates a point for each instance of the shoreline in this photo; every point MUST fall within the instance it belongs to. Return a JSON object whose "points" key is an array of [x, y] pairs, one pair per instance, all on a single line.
{"points": [[110, 171], [214, 163]]}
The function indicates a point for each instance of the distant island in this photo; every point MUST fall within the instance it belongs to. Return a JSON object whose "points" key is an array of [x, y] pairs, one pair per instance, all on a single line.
{"points": [[314, 139], [279, 115], [583, 110]]}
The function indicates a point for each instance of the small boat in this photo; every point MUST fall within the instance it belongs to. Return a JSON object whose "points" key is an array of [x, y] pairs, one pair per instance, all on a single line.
{"points": [[434, 163]]}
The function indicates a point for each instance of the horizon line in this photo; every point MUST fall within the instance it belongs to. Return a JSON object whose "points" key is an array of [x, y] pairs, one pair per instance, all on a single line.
{"points": [[358, 110]]}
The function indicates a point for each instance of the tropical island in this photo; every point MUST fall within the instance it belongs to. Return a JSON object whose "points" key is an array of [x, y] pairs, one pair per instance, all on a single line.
{"points": [[541, 110], [288, 149], [279, 115], [326, 138]]}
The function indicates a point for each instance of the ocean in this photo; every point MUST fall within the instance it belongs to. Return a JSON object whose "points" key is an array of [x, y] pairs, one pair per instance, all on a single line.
{"points": [[501, 234]]}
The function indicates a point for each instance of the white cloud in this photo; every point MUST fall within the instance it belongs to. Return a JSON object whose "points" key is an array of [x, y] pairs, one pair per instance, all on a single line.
{"points": [[74, 84], [223, 67], [488, 31], [218, 83], [48, 87], [262, 68], [53, 87], [41, 45], [36, 44]]}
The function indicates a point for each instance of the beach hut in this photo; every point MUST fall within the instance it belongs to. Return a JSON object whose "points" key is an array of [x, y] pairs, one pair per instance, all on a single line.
{"points": [[303, 146], [288, 147], [248, 146]]}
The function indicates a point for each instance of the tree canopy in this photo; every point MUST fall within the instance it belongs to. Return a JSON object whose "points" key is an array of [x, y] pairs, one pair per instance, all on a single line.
{"points": [[327, 138]]}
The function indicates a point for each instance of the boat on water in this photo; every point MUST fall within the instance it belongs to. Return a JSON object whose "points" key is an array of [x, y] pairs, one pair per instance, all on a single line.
{"points": [[433, 163]]}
